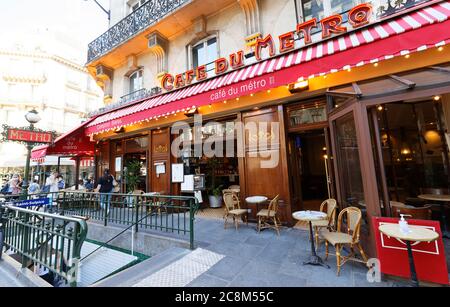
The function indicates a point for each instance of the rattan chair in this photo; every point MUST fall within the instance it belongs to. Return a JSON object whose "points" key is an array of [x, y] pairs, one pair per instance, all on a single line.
{"points": [[329, 207], [233, 208], [269, 215], [350, 235]]}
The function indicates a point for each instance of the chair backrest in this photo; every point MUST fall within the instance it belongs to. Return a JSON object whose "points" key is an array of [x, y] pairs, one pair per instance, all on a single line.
{"points": [[422, 213], [329, 207], [234, 187], [231, 200], [353, 218], [273, 206]]}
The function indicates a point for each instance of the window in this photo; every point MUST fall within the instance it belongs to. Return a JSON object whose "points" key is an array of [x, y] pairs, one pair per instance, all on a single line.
{"points": [[72, 98], [323, 8], [136, 81], [205, 52], [134, 5]]}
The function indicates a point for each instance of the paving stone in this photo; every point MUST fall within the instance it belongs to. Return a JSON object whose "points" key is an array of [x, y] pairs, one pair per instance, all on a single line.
{"points": [[206, 280], [228, 268]]}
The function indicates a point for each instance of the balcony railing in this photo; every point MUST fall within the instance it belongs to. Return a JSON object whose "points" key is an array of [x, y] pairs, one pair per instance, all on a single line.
{"points": [[126, 99], [390, 7], [139, 20]]}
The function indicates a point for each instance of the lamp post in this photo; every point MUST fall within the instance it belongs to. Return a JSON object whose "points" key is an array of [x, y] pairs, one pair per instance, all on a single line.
{"points": [[103, 9], [33, 118]]}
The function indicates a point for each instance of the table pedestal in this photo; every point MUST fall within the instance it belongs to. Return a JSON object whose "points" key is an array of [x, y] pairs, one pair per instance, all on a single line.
{"points": [[412, 267], [314, 259], [445, 233]]}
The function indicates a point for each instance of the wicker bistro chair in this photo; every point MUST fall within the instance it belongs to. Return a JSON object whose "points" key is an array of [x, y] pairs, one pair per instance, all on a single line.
{"points": [[233, 208], [350, 237], [329, 207], [270, 214], [423, 213]]}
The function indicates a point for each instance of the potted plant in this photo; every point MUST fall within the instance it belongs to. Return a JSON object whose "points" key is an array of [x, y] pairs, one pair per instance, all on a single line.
{"points": [[214, 189], [132, 179]]}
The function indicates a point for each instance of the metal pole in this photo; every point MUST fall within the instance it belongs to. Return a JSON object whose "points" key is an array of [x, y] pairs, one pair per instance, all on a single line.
{"points": [[27, 173]]}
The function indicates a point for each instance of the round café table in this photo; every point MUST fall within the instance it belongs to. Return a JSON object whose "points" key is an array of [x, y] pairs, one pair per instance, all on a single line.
{"points": [[417, 234], [442, 200], [256, 200], [310, 216]]}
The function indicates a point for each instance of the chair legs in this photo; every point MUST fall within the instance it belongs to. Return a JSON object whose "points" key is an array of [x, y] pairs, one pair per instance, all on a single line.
{"points": [[226, 219], [276, 225], [338, 258], [363, 254], [326, 250]]}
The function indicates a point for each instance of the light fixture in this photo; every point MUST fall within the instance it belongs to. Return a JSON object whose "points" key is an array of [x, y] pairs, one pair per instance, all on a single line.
{"points": [[32, 117], [299, 86], [407, 56], [375, 64], [440, 48], [119, 130], [191, 112], [269, 91], [437, 98], [380, 108]]}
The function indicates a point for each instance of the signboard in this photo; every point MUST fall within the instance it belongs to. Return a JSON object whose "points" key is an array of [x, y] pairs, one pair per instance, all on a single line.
{"points": [[178, 173], [33, 203], [357, 17], [29, 136], [429, 258]]}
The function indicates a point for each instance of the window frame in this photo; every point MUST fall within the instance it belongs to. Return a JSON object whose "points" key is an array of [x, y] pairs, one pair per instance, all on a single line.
{"points": [[130, 77], [203, 41]]}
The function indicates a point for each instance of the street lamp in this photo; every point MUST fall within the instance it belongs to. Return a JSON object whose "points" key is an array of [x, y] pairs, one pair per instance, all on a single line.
{"points": [[103, 9], [33, 118]]}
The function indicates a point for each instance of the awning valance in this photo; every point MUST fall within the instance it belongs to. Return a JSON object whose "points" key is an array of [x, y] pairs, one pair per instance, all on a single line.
{"points": [[73, 143], [416, 31]]}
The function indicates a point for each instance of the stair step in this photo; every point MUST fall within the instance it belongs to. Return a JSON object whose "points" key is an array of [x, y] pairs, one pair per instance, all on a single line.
{"points": [[143, 270]]}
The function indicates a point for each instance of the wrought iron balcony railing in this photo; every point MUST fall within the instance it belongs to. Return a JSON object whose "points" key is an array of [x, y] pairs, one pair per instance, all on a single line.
{"points": [[139, 20], [126, 99]]}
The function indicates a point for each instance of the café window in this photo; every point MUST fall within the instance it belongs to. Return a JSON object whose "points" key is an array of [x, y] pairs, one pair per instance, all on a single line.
{"points": [[136, 81], [205, 52], [137, 144]]}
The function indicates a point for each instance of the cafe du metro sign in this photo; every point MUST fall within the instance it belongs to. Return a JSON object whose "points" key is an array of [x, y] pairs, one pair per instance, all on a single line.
{"points": [[358, 16]]}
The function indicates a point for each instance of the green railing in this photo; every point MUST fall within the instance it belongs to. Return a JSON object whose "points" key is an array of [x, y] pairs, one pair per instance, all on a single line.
{"points": [[161, 213], [43, 239]]}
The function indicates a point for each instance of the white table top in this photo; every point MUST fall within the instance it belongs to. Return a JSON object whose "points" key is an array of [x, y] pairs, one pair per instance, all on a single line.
{"points": [[416, 234], [308, 216], [435, 197], [256, 199]]}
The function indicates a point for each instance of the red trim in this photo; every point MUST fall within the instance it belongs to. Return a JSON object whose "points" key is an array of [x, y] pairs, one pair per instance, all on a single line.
{"points": [[410, 41]]}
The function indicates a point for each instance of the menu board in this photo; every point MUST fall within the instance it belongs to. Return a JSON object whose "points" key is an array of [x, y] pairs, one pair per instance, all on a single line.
{"points": [[178, 173], [188, 184]]}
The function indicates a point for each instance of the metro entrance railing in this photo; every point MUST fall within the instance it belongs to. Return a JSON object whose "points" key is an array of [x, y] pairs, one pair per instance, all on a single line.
{"points": [[47, 240]]}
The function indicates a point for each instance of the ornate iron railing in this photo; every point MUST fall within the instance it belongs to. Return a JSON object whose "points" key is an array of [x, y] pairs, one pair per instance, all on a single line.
{"points": [[127, 99], [45, 240], [139, 20]]}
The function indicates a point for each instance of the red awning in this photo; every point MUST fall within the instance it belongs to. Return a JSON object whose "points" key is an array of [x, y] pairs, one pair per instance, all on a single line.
{"points": [[416, 31], [73, 143]]}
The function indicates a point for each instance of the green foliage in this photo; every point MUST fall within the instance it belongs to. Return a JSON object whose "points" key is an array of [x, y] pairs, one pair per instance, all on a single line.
{"points": [[214, 188], [132, 178]]}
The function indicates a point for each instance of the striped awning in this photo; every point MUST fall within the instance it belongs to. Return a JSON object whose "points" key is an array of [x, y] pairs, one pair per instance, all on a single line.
{"points": [[416, 31]]}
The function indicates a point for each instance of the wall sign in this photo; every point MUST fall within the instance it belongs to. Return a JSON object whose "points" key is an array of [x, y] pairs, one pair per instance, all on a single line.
{"points": [[178, 173], [358, 16], [29, 136]]}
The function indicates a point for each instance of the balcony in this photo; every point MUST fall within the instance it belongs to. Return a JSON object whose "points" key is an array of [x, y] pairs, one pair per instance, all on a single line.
{"points": [[136, 22], [129, 36]]}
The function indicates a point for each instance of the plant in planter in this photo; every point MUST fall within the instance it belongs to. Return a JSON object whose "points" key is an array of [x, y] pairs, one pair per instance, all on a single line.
{"points": [[132, 179], [215, 189]]}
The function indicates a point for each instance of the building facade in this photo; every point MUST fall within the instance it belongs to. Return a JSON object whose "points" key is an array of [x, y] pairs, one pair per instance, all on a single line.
{"points": [[34, 76], [350, 96]]}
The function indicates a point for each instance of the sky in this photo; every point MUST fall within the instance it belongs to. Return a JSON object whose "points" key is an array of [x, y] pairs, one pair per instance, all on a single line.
{"points": [[67, 25]]}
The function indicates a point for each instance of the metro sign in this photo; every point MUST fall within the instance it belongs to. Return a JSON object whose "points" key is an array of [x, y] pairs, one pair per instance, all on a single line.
{"points": [[358, 16], [29, 136]]}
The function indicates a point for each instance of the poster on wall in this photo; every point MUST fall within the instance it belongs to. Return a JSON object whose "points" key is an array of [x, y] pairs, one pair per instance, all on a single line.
{"points": [[429, 257], [178, 173]]}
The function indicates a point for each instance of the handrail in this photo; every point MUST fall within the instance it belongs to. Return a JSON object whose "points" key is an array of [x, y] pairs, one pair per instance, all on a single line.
{"points": [[48, 240], [115, 237]]}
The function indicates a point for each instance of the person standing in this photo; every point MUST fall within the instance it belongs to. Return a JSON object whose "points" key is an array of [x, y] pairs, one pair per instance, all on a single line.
{"points": [[52, 186], [34, 188], [14, 185], [105, 187], [61, 182]]}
